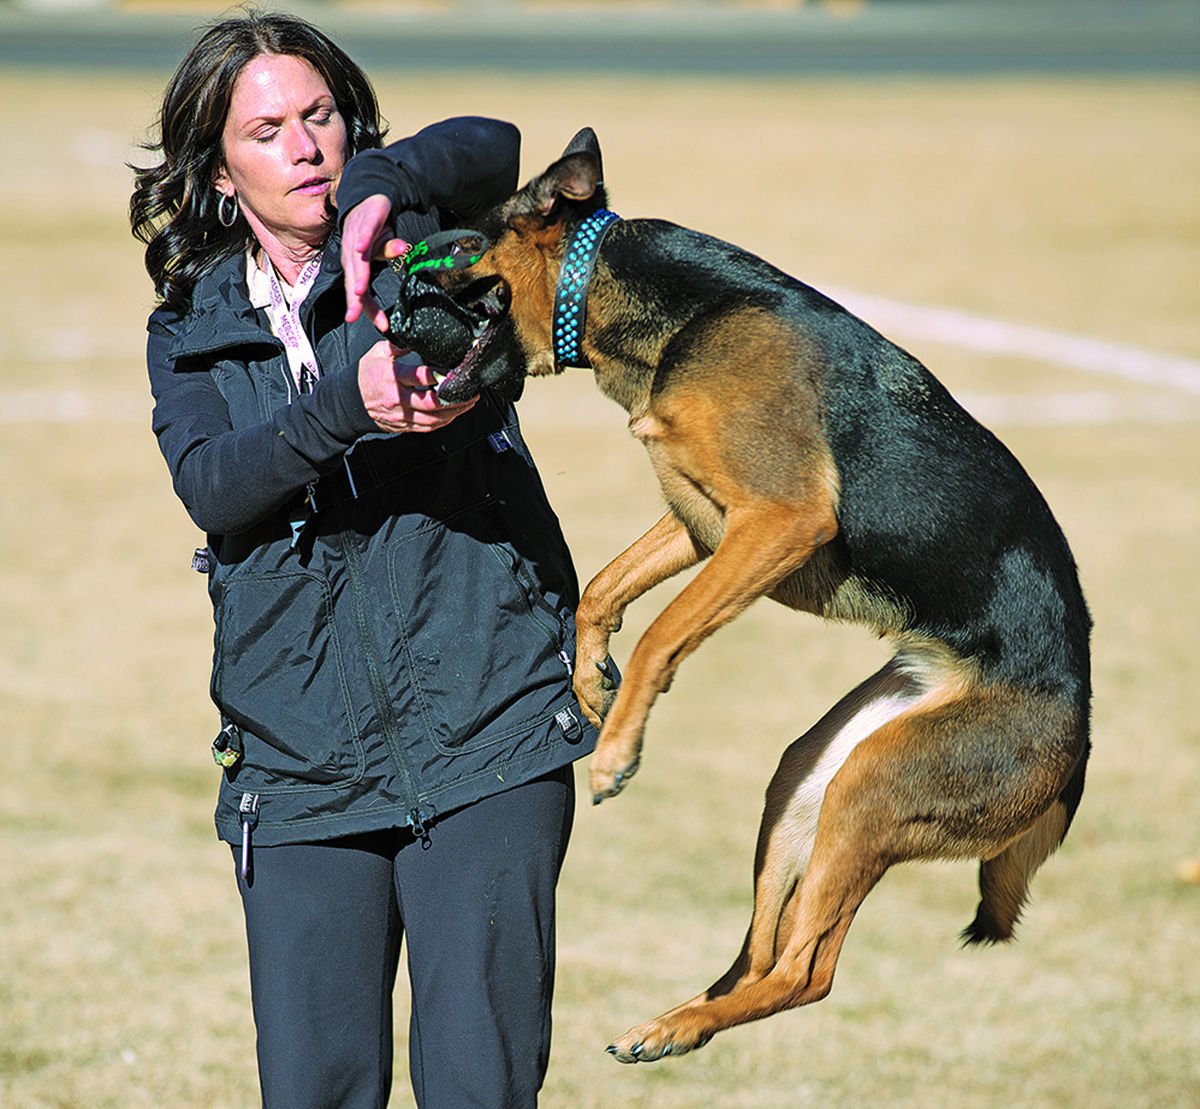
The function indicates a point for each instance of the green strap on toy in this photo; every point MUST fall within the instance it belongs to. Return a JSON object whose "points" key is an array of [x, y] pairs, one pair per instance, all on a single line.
{"points": [[438, 252]]}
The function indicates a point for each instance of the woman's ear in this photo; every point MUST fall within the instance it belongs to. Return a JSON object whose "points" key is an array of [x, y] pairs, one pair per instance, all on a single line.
{"points": [[221, 181]]}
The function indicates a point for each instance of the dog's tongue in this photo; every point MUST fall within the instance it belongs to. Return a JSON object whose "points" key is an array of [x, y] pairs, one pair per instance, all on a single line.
{"points": [[456, 386]]}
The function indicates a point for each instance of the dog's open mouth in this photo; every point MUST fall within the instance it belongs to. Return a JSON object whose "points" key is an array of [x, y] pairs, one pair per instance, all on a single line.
{"points": [[451, 331], [488, 302]]}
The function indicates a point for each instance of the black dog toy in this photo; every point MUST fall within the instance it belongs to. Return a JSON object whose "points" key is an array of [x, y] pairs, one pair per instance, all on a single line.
{"points": [[425, 318]]}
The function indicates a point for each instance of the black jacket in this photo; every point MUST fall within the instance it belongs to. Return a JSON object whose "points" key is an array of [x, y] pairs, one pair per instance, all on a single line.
{"points": [[393, 613]]}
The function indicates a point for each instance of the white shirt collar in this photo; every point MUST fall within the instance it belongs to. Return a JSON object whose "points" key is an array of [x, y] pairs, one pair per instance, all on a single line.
{"points": [[258, 284]]}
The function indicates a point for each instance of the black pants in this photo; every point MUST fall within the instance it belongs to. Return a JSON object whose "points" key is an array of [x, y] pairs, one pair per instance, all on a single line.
{"points": [[476, 903]]}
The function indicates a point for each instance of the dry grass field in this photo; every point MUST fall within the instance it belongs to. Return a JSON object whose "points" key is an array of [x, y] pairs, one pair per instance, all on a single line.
{"points": [[1065, 205]]}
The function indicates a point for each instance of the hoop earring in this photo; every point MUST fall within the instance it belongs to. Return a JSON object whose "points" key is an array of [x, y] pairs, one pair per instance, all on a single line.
{"points": [[227, 217]]}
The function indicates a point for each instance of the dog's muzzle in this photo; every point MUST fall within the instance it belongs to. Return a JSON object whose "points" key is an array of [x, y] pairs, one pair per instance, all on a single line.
{"points": [[449, 330], [450, 333]]}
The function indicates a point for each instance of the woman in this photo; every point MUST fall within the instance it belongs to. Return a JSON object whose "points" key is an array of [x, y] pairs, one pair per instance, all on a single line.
{"points": [[392, 593]]}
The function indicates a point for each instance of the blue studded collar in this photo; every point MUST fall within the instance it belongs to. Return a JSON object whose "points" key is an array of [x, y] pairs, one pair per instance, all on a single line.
{"points": [[570, 297]]}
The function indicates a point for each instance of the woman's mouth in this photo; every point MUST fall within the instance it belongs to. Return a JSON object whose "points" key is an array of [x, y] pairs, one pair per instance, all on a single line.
{"points": [[314, 186]]}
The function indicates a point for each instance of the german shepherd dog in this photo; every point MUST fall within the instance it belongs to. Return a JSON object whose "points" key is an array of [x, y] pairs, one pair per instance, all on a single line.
{"points": [[809, 460]]}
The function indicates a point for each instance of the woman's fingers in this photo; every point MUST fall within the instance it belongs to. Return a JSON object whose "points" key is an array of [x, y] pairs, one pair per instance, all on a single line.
{"points": [[369, 306], [366, 237], [402, 397]]}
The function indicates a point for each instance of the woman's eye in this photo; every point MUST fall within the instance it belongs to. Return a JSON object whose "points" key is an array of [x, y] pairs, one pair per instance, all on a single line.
{"points": [[265, 136]]}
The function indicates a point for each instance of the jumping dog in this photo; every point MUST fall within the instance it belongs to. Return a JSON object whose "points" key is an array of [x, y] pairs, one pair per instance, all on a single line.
{"points": [[804, 458]]}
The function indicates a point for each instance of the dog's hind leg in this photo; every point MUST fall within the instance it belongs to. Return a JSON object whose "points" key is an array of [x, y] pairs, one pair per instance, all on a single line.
{"points": [[793, 805], [790, 819], [840, 875], [963, 771]]}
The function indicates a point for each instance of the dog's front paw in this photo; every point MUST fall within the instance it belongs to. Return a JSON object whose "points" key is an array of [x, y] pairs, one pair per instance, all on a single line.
{"points": [[595, 688], [657, 1039], [608, 777], [618, 750], [617, 756]]}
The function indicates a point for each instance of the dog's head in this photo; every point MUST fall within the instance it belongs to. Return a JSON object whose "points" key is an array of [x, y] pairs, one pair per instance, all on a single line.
{"points": [[482, 312]]}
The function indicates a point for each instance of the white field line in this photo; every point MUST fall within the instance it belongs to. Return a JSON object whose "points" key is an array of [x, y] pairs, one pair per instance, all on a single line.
{"points": [[988, 336], [1081, 408]]}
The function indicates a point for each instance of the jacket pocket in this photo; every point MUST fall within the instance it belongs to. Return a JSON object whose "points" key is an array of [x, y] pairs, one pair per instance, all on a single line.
{"points": [[488, 655], [279, 673]]}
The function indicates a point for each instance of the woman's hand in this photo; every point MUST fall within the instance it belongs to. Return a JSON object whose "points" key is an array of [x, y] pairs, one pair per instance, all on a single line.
{"points": [[402, 398], [365, 238]]}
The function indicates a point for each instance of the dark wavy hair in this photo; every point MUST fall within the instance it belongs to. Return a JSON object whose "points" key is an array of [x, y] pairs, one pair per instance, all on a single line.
{"points": [[173, 209]]}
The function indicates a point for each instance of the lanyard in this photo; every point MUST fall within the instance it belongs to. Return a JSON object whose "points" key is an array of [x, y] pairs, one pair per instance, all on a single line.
{"points": [[285, 322]]}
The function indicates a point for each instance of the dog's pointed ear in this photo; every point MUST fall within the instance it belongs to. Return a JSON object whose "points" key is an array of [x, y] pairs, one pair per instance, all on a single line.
{"points": [[574, 176], [585, 142], [577, 176]]}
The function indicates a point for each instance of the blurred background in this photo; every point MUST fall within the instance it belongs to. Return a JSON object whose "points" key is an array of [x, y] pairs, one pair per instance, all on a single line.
{"points": [[1008, 189]]}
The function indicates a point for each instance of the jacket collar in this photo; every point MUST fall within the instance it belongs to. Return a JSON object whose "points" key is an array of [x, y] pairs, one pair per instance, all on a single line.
{"points": [[222, 316]]}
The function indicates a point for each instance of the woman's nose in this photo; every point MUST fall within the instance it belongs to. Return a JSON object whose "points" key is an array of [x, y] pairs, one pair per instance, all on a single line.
{"points": [[303, 145]]}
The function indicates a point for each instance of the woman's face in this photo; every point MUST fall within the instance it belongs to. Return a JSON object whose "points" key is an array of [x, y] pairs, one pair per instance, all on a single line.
{"points": [[284, 149]]}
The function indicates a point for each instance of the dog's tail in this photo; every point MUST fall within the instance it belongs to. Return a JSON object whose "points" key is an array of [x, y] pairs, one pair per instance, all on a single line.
{"points": [[1004, 880]]}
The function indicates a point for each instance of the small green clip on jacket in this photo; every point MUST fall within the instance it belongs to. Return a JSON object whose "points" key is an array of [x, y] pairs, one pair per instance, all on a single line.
{"points": [[393, 613]]}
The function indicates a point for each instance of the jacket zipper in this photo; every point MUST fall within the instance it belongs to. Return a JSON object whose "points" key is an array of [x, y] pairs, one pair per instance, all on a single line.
{"points": [[248, 812], [416, 817], [544, 618]]}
